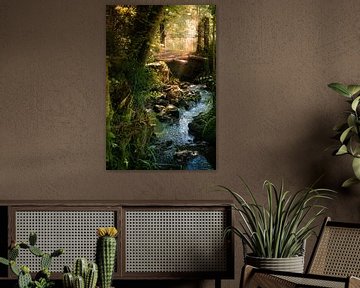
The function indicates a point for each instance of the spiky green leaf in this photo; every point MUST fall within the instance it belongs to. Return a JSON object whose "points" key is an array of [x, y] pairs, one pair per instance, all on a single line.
{"points": [[280, 228]]}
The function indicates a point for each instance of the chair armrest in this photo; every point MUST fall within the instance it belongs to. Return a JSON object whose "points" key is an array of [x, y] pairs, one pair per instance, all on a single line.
{"points": [[254, 277], [354, 282]]}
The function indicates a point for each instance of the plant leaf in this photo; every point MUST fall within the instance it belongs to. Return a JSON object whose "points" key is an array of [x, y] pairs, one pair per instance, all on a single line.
{"points": [[354, 145], [279, 228], [342, 150], [356, 167], [351, 120], [353, 89], [349, 182], [340, 88], [345, 134], [4, 261], [355, 103]]}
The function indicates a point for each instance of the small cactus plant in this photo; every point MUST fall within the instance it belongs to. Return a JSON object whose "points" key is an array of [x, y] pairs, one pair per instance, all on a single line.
{"points": [[85, 275], [42, 278], [106, 254]]}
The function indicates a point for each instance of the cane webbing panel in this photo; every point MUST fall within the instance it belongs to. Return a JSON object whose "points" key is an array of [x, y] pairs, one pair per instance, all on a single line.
{"points": [[338, 252], [175, 241], [267, 280], [74, 231], [313, 282]]}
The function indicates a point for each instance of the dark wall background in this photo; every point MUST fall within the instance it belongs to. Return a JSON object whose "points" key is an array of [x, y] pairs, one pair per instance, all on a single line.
{"points": [[275, 112]]}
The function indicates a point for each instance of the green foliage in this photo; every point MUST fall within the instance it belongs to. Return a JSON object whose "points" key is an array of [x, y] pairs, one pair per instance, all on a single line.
{"points": [[85, 275], [209, 131], [43, 283], [4, 261], [24, 280], [348, 132], [129, 126], [42, 278], [32, 239], [279, 229], [203, 126]]}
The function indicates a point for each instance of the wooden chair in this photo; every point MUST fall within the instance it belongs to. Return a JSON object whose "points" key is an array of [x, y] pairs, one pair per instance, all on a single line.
{"points": [[335, 262]]}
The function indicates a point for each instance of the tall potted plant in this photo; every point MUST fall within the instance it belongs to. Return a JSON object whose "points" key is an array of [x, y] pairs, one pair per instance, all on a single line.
{"points": [[348, 132], [275, 233]]}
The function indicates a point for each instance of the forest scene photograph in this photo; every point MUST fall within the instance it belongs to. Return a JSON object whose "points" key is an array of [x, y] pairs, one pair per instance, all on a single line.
{"points": [[161, 87]]}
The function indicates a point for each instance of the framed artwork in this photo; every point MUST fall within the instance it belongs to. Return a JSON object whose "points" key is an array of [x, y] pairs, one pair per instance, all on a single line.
{"points": [[160, 87]]}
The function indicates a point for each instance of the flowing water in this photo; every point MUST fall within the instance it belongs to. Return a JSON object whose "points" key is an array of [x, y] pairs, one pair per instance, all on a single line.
{"points": [[175, 136]]}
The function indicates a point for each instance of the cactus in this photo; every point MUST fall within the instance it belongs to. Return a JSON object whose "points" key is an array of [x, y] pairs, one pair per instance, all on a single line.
{"points": [[24, 246], [24, 278], [13, 253], [87, 272], [91, 276], [57, 252], [14, 268], [36, 251], [45, 261], [67, 269], [68, 280], [44, 273], [32, 238], [106, 254], [80, 267], [4, 261], [79, 282]]}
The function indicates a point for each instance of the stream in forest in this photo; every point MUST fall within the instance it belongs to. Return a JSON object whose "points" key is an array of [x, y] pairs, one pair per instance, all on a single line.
{"points": [[177, 148]]}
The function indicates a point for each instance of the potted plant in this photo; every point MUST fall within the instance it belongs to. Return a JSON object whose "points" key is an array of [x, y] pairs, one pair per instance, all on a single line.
{"points": [[348, 132], [106, 254], [84, 274], [276, 233], [42, 278]]}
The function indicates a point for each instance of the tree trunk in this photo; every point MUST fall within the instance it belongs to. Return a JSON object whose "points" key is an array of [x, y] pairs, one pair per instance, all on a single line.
{"points": [[162, 34], [145, 25], [214, 47], [200, 38], [206, 23]]}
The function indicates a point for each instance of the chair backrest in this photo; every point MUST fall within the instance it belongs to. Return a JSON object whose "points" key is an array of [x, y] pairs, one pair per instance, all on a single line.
{"points": [[337, 251]]}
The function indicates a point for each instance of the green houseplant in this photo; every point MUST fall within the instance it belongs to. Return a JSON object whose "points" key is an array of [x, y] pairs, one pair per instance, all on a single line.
{"points": [[84, 274], [348, 132], [279, 229], [42, 278], [106, 254]]}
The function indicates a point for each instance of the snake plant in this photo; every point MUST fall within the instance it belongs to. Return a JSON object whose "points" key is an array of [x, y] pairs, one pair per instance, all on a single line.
{"points": [[279, 228]]}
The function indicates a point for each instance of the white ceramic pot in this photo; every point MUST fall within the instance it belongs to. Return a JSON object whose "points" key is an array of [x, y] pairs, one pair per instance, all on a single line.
{"points": [[291, 264]]}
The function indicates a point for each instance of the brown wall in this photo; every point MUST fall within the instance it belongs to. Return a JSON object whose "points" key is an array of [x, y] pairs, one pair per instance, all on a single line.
{"points": [[275, 113]]}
